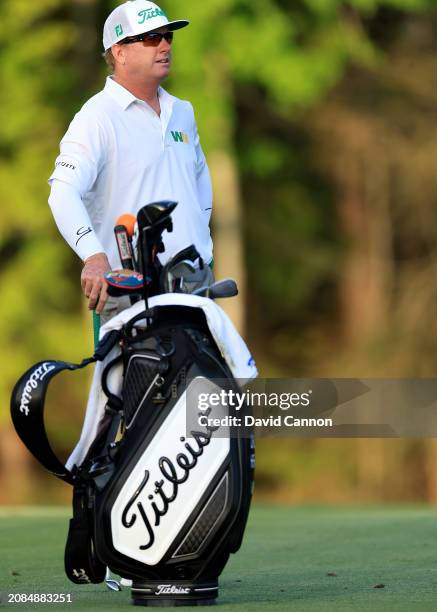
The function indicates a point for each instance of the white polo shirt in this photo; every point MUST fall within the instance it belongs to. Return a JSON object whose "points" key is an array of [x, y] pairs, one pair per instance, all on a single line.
{"points": [[119, 155]]}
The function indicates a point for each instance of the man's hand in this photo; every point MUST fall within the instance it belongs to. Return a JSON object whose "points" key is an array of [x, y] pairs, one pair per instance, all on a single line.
{"points": [[93, 283]]}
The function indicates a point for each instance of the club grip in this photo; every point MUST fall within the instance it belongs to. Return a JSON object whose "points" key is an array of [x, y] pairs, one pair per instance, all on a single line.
{"points": [[124, 247]]}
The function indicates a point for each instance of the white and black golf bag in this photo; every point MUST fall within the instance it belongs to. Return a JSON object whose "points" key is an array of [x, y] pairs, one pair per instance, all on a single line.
{"points": [[153, 501]]}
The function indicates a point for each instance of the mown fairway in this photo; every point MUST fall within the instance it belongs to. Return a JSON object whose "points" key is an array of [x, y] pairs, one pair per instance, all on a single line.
{"points": [[284, 564]]}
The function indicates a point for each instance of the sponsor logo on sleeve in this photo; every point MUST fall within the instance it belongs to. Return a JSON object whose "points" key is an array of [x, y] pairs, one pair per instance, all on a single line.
{"points": [[64, 164], [81, 232]]}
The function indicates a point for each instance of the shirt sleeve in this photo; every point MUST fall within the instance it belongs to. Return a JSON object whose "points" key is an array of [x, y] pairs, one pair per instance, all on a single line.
{"points": [[82, 153], [73, 220], [204, 187]]}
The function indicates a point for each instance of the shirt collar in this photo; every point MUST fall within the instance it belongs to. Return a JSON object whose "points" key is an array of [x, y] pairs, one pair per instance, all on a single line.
{"points": [[124, 97], [120, 94], [166, 102]]}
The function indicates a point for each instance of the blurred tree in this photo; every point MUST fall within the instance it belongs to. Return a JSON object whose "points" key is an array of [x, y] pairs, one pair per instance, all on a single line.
{"points": [[39, 307], [376, 135], [294, 53], [371, 146], [292, 148], [40, 304], [288, 55]]}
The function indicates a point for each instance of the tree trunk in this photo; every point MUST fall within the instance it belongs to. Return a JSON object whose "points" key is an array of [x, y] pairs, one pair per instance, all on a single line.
{"points": [[431, 471], [354, 149], [228, 247]]}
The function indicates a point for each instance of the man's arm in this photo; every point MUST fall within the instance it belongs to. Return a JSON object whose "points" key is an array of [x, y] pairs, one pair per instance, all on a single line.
{"points": [[82, 154], [204, 187], [74, 224]]}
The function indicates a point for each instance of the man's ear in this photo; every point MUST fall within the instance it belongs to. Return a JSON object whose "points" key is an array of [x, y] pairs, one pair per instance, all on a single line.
{"points": [[118, 54]]}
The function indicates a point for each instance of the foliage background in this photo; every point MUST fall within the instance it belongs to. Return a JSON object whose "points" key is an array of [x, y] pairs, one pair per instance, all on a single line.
{"points": [[318, 118]]}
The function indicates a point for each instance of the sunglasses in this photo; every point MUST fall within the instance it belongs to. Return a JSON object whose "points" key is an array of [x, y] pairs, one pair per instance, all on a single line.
{"points": [[153, 38]]}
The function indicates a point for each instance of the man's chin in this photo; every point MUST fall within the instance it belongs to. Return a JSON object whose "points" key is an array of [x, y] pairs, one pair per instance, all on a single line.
{"points": [[163, 70]]}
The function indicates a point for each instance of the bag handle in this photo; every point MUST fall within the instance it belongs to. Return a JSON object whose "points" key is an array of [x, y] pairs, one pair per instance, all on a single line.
{"points": [[27, 405]]}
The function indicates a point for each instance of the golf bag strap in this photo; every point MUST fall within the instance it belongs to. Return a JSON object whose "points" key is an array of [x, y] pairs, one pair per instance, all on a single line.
{"points": [[27, 405]]}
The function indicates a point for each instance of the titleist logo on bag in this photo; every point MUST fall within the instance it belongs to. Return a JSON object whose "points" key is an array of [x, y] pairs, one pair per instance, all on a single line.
{"points": [[163, 489], [32, 384], [171, 589], [173, 480]]}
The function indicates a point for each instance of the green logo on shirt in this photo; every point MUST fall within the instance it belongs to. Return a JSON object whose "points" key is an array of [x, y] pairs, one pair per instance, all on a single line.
{"points": [[180, 137], [118, 30], [150, 13]]}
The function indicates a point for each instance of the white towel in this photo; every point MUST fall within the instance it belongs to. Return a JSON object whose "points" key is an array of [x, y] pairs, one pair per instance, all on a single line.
{"points": [[229, 342]]}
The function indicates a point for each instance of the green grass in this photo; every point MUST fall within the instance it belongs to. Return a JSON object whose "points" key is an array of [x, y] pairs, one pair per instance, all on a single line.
{"points": [[283, 564]]}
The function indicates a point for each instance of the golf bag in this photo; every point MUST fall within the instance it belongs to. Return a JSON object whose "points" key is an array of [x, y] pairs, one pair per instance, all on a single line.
{"points": [[153, 501]]}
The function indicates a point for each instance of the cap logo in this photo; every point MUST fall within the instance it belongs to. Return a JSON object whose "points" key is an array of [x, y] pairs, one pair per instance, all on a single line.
{"points": [[149, 14], [118, 30]]}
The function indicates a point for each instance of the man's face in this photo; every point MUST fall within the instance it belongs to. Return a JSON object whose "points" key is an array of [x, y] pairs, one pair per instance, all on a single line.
{"points": [[148, 60]]}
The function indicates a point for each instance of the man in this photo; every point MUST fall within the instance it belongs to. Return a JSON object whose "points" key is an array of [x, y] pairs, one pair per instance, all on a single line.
{"points": [[131, 144]]}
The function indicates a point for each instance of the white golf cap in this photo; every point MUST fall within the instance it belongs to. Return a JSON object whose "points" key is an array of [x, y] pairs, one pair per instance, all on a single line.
{"points": [[136, 17]]}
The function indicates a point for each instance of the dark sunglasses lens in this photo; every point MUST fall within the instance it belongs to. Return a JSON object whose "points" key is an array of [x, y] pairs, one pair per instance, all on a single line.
{"points": [[156, 38], [152, 39]]}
